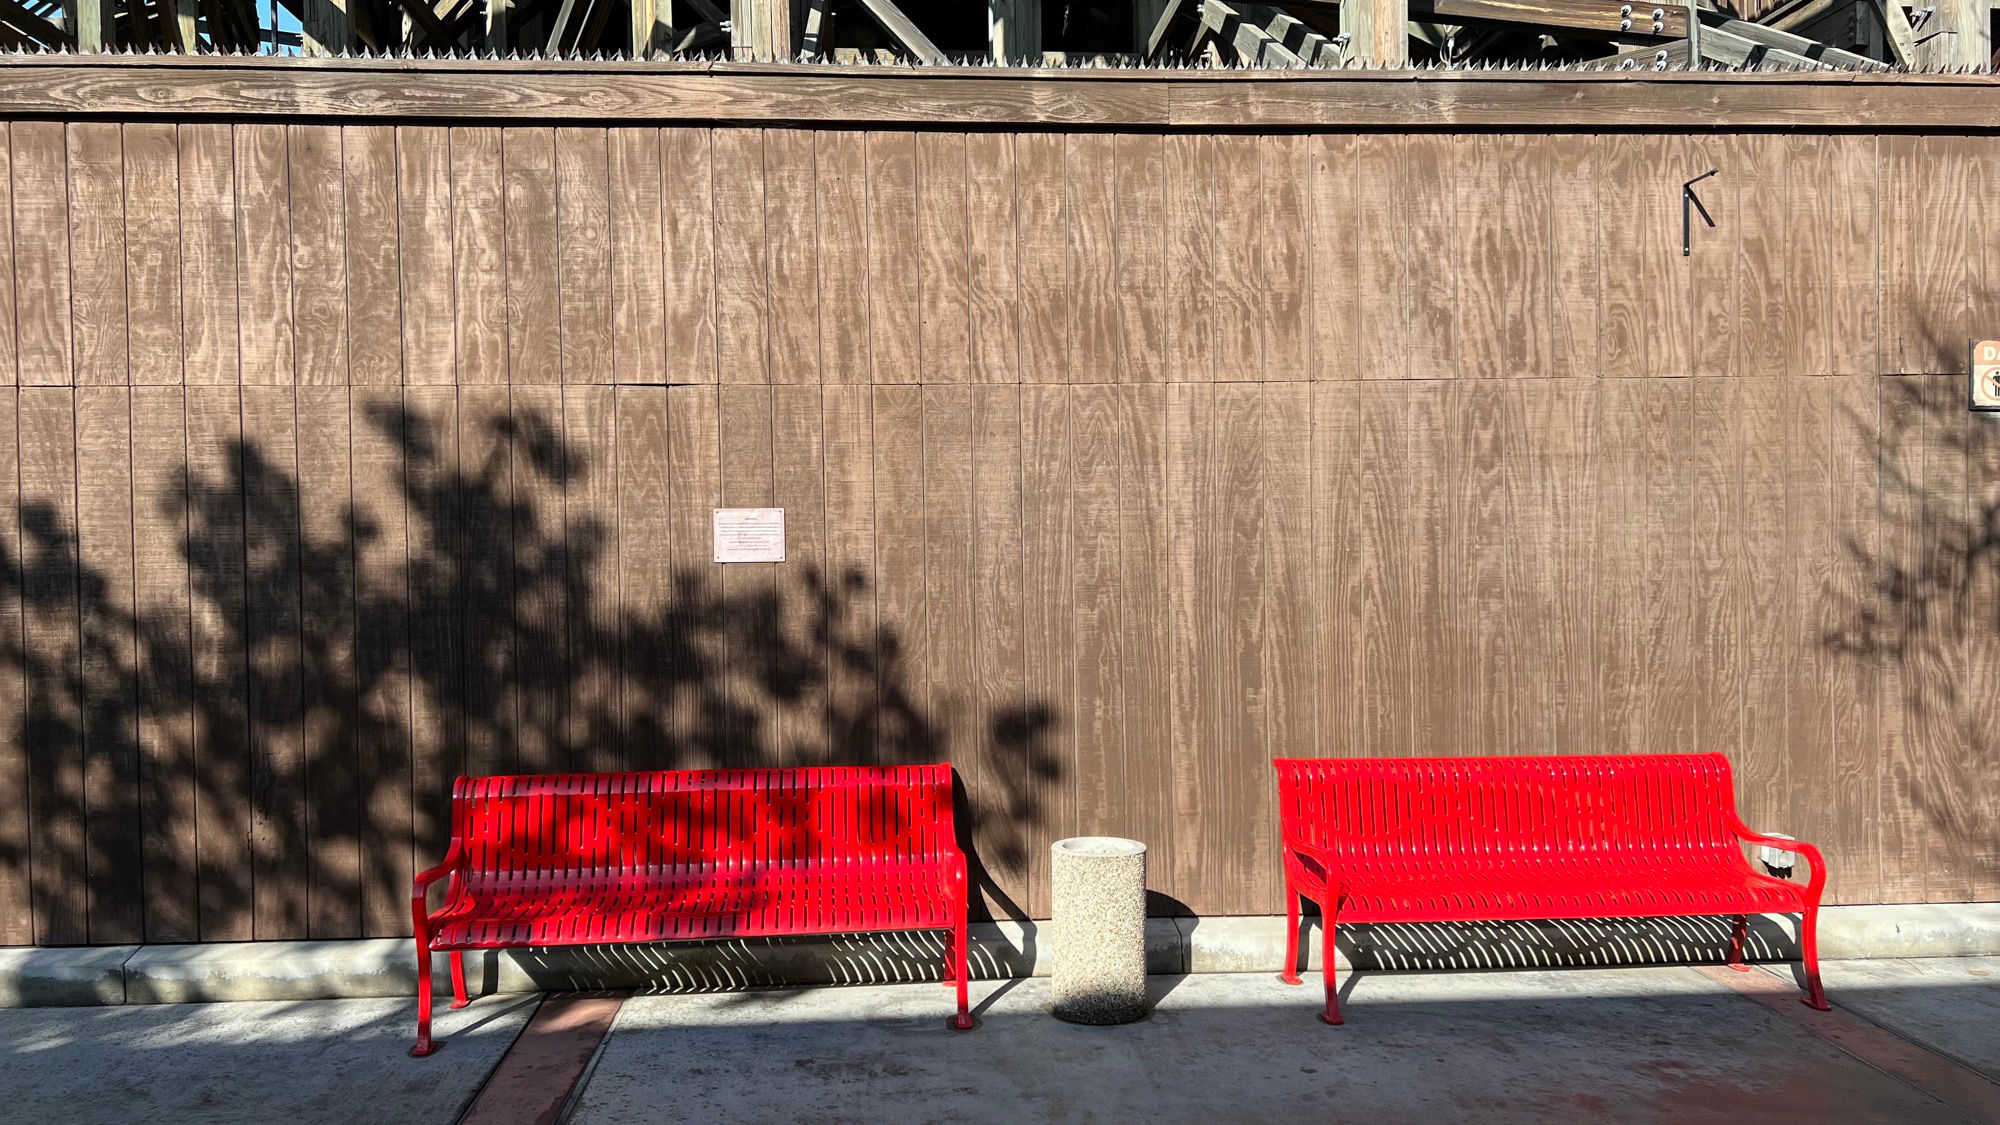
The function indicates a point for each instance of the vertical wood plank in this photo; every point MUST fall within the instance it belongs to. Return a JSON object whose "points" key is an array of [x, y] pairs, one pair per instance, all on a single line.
{"points": [[264, 254], [1505, 229], [9, 344], [638, 268], [944, 280], [1575, 268], [436, 523], [1382, 323], [800, 732], [41, 337], [280, 885], [948, 693], [590, 515], [1856, 230], [993, 250], [1046, 561], [17, 900], [381, 627], [486, 498], [56, 711], [645, 577], [96, 234], [1336, 302], [1090, 181], [900, 594], [1041, 223], [1432, 281], [688, 196], [374, 305], [694, 447], [112, 856], [893, 272], [1093, 792], [1009, 807], [152, 258], [848, 452], [1285, 259], [208, 255], [479, 254], [842, 199], [539, 460], [1712, 272], [327, 636], [791, 220], [1646, 311], [1905, 836], [1719, 574], [748, 589], [534, 299], [1144, 619], [215, 544], [742, 289], [319, 254], [168, 779], [583, 241], [1241, 313], [1854, 544], [424, 241], [1139, 200]]}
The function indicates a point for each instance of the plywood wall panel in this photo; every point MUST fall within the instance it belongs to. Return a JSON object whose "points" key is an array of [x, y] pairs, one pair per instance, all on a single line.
{"points": [[97, 313]]}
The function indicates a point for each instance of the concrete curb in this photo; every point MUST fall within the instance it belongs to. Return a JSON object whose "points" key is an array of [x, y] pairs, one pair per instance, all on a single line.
{"points": [[313, 970]]}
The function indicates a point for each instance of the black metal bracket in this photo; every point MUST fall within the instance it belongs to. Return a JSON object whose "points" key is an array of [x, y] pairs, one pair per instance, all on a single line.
{"points": [[1690, 199]]}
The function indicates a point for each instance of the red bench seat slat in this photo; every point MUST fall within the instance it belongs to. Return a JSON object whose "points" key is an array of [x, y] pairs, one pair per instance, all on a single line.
{"points": [[1509, 839]]}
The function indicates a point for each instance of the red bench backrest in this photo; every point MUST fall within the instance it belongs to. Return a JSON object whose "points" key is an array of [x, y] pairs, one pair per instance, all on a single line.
{"points": [[1377, 811], [660, 822]]}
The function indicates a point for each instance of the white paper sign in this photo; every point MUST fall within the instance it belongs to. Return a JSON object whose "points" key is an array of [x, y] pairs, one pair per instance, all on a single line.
{"points": [[749, 535]]}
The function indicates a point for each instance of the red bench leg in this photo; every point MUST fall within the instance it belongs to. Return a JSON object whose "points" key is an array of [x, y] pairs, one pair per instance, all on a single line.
{"points": [[1815, 996], [1291, 972], [1737, 934], [961, 955], [424, 1045], [458, 997], [1328, 926]]}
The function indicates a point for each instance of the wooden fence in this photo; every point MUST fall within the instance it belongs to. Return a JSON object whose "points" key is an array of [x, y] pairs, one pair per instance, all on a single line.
{"points": [[355, 454]]}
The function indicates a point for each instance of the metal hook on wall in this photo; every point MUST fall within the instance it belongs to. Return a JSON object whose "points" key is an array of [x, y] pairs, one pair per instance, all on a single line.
{"points": [[1690, 199]]}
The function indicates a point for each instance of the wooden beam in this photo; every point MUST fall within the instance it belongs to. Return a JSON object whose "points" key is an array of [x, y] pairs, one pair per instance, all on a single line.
{"points": [[1957, 36], [699, 36], [644, 30], [1810, 49], [327, 27], [426, 18], [818, 30], [89, 23], [1162, 33], [903, 31], [1230, 25], [1902, 38], [1378, 31], [1598, 17], [1014, 30], [761, 30], [1722, 45], [43, 31]]}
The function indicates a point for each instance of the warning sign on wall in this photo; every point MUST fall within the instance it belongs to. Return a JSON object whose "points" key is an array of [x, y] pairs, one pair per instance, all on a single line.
{"points": [[1985, 375], [749, 535]]}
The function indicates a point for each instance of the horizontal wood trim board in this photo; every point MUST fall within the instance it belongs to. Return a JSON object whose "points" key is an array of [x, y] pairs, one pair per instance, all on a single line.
{"points": [[198, 88]]}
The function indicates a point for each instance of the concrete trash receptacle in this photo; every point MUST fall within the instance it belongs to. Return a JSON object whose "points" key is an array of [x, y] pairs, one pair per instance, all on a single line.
{"points": [[1097, 919]]}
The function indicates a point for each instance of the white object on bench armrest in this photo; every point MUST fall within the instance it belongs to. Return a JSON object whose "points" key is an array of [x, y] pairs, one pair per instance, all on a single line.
{"points": [[1778, 859]]}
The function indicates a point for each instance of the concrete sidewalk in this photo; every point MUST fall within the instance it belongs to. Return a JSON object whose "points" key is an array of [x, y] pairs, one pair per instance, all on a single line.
{"points": [[1624, 1044]]}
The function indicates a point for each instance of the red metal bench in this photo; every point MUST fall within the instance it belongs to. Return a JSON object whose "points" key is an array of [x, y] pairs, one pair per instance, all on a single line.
{"points": [[1505, 839], [581, 859]]}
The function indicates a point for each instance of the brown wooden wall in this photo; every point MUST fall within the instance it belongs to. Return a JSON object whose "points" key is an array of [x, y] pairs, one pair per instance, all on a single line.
{"points": [[346, 458]]}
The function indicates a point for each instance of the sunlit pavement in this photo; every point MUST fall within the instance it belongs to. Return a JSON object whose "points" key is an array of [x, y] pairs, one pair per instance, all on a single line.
{"points": [[1909, 1041]]}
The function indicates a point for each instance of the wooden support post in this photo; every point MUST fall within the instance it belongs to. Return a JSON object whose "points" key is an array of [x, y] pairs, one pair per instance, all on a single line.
{"points": [[761, 30], [644, 32], [499, 25], [1378, 31], [1014, 30], [1958, 36], [89, 23], [328, 28], [818, 32], [900, 27]]}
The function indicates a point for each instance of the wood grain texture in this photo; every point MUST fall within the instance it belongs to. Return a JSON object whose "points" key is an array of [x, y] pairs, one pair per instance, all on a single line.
{"points": [[9, 347], [378, 431], [792, 244], [486, 494], [42, 335], [327, 605], [944, 282], [1090, 183], [583, 239], [1284, 256], [689, 200], [841, 198], [17, 900], [893, 270], [374, 270], [264, 255], [479, 255], [280, 884], [1041, 223], [993, 257], [152, 256], [424, 245], [96, 158], [742, 268], [534, 304], [319, 254], [638, 263], [438, 523]]}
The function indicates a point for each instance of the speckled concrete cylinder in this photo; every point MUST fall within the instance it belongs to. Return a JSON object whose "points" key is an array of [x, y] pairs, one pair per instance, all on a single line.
{"points": [[1097, 923]]}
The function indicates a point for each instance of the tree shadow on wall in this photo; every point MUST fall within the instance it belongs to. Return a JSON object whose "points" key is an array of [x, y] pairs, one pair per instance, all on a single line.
{"points": [[272, 755], [1922, 620]]}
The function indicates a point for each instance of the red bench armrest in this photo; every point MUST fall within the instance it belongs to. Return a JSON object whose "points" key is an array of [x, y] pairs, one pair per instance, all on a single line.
{"points": [[449, 866], [1307, 850], [1798, 847]]}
